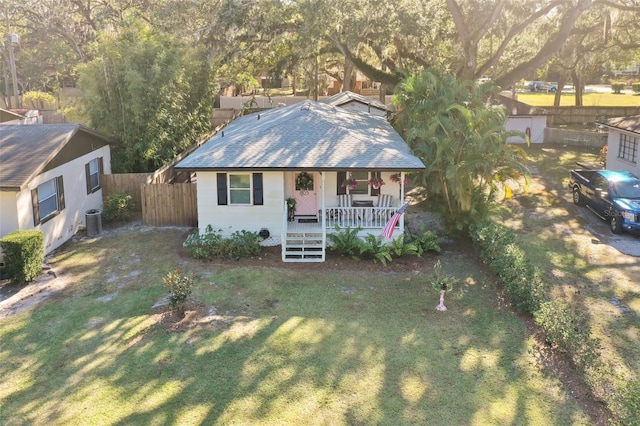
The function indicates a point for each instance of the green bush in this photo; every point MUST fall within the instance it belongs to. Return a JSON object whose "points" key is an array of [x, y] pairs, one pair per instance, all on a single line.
{"points": [[180, 288], [424, 241], [522, 281], [23, 253], [568, 331], [617, 87], [373, 247], [346, 241], [118, 207], [636, 87], [211, 244]]}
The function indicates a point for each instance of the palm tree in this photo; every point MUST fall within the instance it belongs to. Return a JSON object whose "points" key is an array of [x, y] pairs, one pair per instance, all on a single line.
{"points": [[461, 140]]}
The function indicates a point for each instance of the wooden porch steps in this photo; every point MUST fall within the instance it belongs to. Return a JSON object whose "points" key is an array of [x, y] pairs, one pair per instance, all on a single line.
{"points": [[303, 246]]}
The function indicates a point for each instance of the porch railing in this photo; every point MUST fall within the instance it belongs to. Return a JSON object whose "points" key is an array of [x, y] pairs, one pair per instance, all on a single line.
{"points": [[363, 217]]}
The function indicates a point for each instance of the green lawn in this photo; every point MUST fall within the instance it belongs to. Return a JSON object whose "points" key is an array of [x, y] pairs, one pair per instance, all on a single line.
{"points": [[274, 346], [589, 274], [589, 99]]}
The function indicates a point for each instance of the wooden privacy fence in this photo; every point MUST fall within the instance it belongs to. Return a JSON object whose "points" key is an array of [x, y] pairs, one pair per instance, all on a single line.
{"points": [[131, 183], [169, 204]]}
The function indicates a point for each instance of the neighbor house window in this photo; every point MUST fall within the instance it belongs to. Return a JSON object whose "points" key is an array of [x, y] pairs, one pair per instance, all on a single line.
{"points": [[628, 149], [47, 200], [93, 170]]}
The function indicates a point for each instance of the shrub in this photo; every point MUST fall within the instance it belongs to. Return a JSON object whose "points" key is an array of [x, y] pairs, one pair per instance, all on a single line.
{"points": [[246, 243], [118, 207], [211, 244], [523, 282], [400, 246], [346, 241], [617, 87], [568, 331], [424, 241], [23, 253], [373, 247], [635, 87], [180, 288]]}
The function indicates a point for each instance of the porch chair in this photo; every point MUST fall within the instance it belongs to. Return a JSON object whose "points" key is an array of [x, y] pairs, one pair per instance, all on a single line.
{"points": [[384, 201], [345, 202]]}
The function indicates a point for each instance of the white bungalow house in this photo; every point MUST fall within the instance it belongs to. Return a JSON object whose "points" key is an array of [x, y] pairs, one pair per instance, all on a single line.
{"points": [[325, 157], [49, 178], [623, 143]]}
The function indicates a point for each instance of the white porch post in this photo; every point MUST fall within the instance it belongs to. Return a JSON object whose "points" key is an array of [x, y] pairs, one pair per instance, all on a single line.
{"points": [[323, 210], [402, 200]]}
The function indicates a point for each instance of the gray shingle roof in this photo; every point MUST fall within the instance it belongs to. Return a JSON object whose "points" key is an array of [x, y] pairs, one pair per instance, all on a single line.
{"points": [[305, 135], [25, 150], [630, 123]]}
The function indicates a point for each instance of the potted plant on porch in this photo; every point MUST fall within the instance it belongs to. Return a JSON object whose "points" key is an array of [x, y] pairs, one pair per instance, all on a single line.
{"points": [[291, 209], [375, 182]]}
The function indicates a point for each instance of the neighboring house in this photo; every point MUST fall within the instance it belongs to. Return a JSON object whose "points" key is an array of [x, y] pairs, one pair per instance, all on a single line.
{"points": [[528, 119], [623, 143], [306, 151], [356, 102], [9, 116], [49, 178]]}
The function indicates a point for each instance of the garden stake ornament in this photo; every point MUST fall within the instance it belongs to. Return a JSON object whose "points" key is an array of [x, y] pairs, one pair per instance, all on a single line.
{"points": [[442, 284]]}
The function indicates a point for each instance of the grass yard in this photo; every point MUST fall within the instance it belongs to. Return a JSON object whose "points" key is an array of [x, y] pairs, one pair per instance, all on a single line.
{"points": [[270, 346], [589, 99], [567, 242]]}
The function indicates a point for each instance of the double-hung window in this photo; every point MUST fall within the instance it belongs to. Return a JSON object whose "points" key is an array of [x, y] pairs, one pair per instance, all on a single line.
{"points": [[47, 200], [93, 170], [239, 189], [628, 149]]}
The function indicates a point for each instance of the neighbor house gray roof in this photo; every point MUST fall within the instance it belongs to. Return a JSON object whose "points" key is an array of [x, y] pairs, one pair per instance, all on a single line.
{"points": [[305, 135], [630, 123], [26, 150], [343, 98]]}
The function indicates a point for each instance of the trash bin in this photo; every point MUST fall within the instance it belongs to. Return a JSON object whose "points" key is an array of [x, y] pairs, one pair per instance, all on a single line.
{"points": [[94, 222]]}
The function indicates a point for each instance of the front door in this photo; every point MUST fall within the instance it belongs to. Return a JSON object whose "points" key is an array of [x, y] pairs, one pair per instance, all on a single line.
{"points": [[305, 186]]}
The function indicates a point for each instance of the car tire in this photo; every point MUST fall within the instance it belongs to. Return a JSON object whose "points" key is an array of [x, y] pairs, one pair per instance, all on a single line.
{"points": [[578, 199], [615, 224]]}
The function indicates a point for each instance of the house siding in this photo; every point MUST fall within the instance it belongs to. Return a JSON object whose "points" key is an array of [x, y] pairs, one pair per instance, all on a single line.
{"points": [[277, 185], [63, 226], [232, 218], [536, 124], [613, 146]]}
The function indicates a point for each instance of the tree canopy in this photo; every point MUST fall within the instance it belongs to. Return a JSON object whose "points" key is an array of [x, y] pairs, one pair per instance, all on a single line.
{"points": [[244, 40]]}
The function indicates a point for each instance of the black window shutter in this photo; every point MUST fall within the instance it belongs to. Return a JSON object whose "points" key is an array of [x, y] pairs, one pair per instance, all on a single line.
{"points": [[36, 207], [222, 189], [375, 191], [342, 176], [60, 188], [257, 189], [100, 171], [87, 176]]}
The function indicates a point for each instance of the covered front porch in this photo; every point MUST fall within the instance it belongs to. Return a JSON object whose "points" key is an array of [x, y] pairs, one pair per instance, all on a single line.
{"points": [[304, 236]]}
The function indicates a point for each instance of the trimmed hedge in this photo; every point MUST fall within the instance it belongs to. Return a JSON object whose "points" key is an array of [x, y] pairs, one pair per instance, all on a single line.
{"points": [[618, 87], [23, 253], [635, 87], [496, 245], [564, 328]]}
